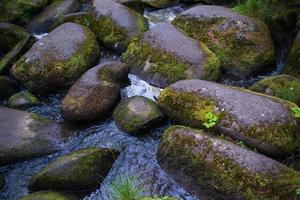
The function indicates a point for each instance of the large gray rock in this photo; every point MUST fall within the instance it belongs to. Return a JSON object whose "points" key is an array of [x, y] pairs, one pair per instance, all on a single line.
{"points": [[215, 168], [26, 135], [82, 169], [58, 59], [262, 122], [14, 42], [95, 93], [115, 25], [136, 114], [54, 12], [164, 55], [243, 45]]}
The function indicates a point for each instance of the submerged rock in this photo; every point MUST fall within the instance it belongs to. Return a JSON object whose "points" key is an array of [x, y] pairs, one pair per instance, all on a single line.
{"points": [[82, 169], [263, 122], [48, 195], [95, 93], [164, 55], [160, 3], [282, 86], [137, 113], [23, 100], [58, 59], [54, 12], [293, 62], [6, 87], [19, 11], [208, 166], [24, 136], [243, 45], [14, 42], [115, 25]]}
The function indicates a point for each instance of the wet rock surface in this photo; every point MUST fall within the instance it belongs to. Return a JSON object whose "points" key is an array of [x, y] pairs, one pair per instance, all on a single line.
{"points": [[115, 25], [26, 135], [23, 100], [83, 169], [164, 55], [137, 113], [95, 93], [263, 122], [206, 165], [58, 59], [243, 45]]}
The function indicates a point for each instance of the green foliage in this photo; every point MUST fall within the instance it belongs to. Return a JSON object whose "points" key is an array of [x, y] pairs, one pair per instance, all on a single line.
{"points": [[296, 111], [298, 192], [125, 188], [211, 120]]}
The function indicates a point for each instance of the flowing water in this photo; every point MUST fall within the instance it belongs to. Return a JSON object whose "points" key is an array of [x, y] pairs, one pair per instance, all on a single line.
{"points": [[138, 153]]}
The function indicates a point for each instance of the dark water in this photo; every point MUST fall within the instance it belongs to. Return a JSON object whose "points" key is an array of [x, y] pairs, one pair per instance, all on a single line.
{"points": [[138, 153]]}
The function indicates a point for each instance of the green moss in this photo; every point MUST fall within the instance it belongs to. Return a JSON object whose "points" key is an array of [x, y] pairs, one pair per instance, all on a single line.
{"points": [[190, 109], [282, 86], [30, 98], [223, 174], [47, 195], [293, 62], [237, 55]]}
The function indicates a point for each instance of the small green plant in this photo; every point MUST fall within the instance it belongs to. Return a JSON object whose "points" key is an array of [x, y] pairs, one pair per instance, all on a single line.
{"points": [[296, 111], [211, 120], [298, 192], [241, 143], [125, 188]]}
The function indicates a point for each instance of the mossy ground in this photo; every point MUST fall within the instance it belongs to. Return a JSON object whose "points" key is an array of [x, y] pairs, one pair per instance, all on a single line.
{"points": [[223, 174], [48, 195]]}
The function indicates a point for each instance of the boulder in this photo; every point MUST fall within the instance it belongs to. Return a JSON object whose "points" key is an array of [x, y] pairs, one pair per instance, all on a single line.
{"points": [[24, 136], [219, 169], [160, 3], [281, 86], [82, 18], [54, 12], [48, 195], [23, 100], [14, 42], [20, 12], [265, 123], [115, 25], [82, 169], [164, 55], [137, 5], [58, 59], [95, 93], [6, 87], [243, 45], [293, 62], [136, 114]]}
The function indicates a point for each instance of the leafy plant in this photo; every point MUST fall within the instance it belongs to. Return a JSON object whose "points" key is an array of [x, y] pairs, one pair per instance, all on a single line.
{"points": [[211, 120], [296, 111], [125, 188], [298, 192]]}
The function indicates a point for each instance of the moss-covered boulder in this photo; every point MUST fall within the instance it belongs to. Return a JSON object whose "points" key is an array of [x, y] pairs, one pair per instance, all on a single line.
{"points": [[293, 62], [48, 195], [6, 87], [19, 11], [95, 93], [263, 122], [164, 55], [2, 181], [161, 3], [137, 113], [14, 42], [243, 45], [24, 136], [203, 163], [115, 25], [54, 12], [82, 18], [82, 169], [58, 59], [137, 5], [23, 100], [282, 86]]}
